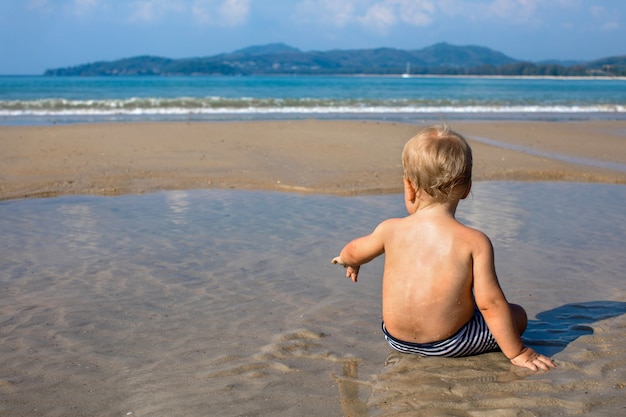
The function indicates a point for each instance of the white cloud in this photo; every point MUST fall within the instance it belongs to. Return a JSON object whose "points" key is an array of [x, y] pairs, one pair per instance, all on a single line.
{"points": [[611, 25], [224, 13], [375, 14], [153, 10], [387, 13], [518, 10], [235, 12], [328, 12], [605, 19], [143, 11], [204, 12], [379, 16], [597, 11], [417, 13]]}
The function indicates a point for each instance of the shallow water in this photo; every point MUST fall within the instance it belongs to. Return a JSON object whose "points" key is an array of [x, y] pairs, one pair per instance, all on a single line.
{"points": [[224, 303]]}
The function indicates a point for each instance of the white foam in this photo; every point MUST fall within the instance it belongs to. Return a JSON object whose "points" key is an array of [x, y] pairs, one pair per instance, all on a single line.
{"points": [[113, 110]]}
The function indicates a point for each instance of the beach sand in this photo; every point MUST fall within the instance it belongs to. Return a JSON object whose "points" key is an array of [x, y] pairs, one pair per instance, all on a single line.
{"points": [[214, 302], [335, 157]]}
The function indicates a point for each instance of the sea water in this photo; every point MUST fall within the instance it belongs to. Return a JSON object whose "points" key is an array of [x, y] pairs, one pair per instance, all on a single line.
{"points": [[223, 302], [45, 100]]}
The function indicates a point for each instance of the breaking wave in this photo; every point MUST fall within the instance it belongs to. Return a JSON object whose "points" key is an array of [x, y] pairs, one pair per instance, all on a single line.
{"points": [[221, 105]]}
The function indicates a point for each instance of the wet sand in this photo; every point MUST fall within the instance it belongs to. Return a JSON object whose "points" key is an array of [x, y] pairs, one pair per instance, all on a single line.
{"points": [[332, 157]]}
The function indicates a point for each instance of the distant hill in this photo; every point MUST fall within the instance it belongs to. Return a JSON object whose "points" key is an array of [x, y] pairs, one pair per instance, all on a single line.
{"points": [[272, 48], [613, 65], [281, 59]]}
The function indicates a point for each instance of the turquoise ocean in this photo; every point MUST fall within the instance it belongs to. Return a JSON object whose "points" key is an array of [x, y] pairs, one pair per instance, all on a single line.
{"points": [[47, 100]]}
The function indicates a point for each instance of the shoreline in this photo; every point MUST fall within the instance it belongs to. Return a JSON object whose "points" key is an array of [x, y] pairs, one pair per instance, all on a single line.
{"points": [[398, 75], [334, 157], [510, 77]]}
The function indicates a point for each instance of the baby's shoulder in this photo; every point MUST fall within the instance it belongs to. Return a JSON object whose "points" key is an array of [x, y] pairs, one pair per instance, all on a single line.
{"points": [[475, 237], [472, 231], [390, 224]]}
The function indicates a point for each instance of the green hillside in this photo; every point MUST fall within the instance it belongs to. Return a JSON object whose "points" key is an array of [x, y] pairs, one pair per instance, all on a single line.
{"points": [[281, 59]]}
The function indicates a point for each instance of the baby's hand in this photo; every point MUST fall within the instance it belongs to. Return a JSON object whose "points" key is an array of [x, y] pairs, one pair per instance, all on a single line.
{"points": [[530, 359], [352, 272]]}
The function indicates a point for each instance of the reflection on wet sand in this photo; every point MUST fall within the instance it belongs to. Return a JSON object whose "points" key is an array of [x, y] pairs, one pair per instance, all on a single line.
{"points": [[178, 202], [81, 226], [353, 403], [501, 221]]}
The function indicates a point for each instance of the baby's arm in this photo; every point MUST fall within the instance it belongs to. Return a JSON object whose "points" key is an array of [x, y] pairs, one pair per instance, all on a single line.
{"points": [[495, 309], [361, 251]]}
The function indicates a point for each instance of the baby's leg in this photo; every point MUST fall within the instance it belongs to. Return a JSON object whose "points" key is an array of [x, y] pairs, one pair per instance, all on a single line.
{"points": [[519, 317]]}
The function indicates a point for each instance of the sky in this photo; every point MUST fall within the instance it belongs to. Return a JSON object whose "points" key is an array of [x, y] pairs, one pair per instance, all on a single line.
{"points": [[36, 35]]}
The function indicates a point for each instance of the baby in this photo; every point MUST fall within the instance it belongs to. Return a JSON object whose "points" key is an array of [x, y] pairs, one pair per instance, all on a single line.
{"points": [[440, 293]]}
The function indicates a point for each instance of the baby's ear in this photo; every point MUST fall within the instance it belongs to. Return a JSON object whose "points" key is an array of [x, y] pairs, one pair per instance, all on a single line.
{"points": [[409, 190]]}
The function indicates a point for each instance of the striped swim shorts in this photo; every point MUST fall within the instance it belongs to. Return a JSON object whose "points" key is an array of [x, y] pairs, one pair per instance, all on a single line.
{"points": [[473, 339]]}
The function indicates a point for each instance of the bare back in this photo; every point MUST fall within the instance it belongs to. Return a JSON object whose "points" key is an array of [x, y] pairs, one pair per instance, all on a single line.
{"points": [[427, 284]]}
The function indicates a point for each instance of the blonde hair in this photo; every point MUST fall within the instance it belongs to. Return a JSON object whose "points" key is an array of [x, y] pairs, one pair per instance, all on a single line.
{"points": [[438, 161]]}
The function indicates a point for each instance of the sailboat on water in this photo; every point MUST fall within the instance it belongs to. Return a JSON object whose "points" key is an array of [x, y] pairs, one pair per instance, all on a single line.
{"points": [[407, 74]]}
